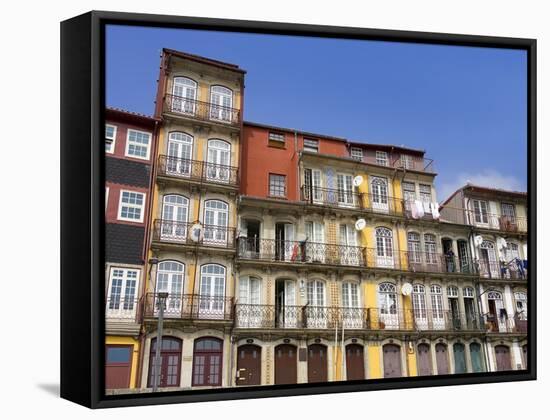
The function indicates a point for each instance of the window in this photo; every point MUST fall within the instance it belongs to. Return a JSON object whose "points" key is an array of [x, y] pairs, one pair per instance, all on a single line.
{"points": [[387, 298], [384, 247], [216, 216], [480, 212], [212, 291], [521, 304], [311, 145], [426, 196], [170, 279], [316, 293], [437, 303], [350, 295], [452, 291], [277, 185], [131, 206], [381, 158], [468, 292], [413, 246], [249, 290], [207, 362], [121, 297], [222, 101], [185, 94], [174, 217], [180, 152], [345, 189], [511, 252], [218, 161], [110, 138], [137, 144], [276, 139], [419, 303], [407, 161], [430, 247], [106, 197], [357, 153], [409, 193]]}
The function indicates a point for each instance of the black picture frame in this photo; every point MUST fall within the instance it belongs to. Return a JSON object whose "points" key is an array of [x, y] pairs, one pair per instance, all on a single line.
{"points": [[83, 204]]}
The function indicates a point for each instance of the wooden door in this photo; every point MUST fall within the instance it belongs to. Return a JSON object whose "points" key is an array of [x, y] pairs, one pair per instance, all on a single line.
{"points": [[502, 354], [392, 361], [170, 362], [355, 362], [249, 365], [460, 358], [117, 366], [285, 364], [317, 363], [424, 360], [476, 357], [441, 359]]}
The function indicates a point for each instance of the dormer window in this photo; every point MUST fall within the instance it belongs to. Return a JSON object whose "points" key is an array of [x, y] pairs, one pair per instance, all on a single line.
{"points": [[381, 158], [311, 145], [357, 153]]}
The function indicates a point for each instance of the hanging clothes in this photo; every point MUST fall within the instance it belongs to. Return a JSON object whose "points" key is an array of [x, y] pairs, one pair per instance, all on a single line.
{"points": [[434, 207], [419, 208]]}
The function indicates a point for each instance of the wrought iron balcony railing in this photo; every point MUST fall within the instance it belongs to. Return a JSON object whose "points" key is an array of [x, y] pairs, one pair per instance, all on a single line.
{"points": [[199, 171], [190, 307], [331, 197], [170, 231], [505, 324], [204, 111], [121, 308], [428, 262], [325, 317], [512, 224], [502, 270], [300, 252]]}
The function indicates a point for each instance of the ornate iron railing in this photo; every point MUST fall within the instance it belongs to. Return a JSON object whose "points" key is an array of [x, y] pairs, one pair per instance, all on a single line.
{"points": [[199, 110], [198, 170], [330, 197], [502, 270], [170, 231], [429, 262], [121, 308], [195, 307], [422, 320], [484, 220], [502, 323], [300, 252]]}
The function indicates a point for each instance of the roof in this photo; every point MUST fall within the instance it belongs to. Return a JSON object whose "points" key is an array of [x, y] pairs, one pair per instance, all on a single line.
{"points": [[294, 130], [204, 60], [130, 116], [480, 188], [387, 146]]}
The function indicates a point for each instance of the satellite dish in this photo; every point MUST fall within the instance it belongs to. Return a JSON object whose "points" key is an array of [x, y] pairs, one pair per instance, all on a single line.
{"points": [[358, 180], [360, 224], [478, 239], [406, 289], [196, 233]]}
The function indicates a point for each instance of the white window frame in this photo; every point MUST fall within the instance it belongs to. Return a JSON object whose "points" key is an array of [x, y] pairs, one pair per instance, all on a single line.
{"points": [[481, 222], [128, 144], [142, 207], [113, 140], [356, 153], [121, 312], [407, 161], [309, 148], [382, 158]]}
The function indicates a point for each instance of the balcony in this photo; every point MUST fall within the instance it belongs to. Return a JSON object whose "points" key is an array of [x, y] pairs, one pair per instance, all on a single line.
{"points": [[420, 164], [120, 308], [428, 262], [190, 307], [510, 224], [502, 271], [372, 319], [296, 252], [201, 111], [198, 171], [195, 234], [504, 324]]}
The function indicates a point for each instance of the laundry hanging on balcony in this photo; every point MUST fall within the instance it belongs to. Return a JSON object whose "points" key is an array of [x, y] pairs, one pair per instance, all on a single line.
{"points": [[478, 240], [501, 243], [434, 207], [417, 209]]}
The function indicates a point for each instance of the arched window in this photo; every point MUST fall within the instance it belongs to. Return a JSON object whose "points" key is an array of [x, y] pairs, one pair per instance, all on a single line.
{"points": [[207, 362], [170, 362], [452, 291], [180, 153], [216, 216], [494, 295], [419, 306], [468, 292], [221, 99], [413, 246], [437, 306], [184, 95], [170, 276], [387, 302], [430, 247], [489, 266], [212, 291], [174, 217], [379, 193], [521, 305], [384, 247], [218, 161]]}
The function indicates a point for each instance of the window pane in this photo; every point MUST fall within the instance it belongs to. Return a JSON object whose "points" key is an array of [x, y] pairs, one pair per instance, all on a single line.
{"points": [[118, 354]]}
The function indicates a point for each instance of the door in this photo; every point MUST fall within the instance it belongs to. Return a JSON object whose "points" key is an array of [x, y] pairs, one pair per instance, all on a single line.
{"points": [[476, 357], [355, 362], [249, 312], [315, 311], [525, 356], [424, 360], [286, 310], [441, 359], [221, 99], [121, 298], [317, 363], [215, 222], [351, 310], [438, 315], [470, 312], [463, 258], [460, 358], [313, 188], [497, 319], [502, 354], [218, 161], [286, 249], [118, 366], [345, 189], [455, 313], [349, 252], [249, 365], [170, 362], [212, 292], [170, 279], [174, 218], [180, 152], [379, 194], [489, 266], [387, 302], [185, 95], [508, 219], [285, 364], [419, 307], [315, 247], [207, 362], [392, 361], [384, 247]]}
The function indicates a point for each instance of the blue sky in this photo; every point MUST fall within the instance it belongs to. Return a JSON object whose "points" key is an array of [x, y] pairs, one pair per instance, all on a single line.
{"points": [[465, 106]]}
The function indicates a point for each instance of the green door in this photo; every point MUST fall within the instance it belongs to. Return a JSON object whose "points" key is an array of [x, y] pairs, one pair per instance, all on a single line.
{"points": [[460, 358], [477, 360]]}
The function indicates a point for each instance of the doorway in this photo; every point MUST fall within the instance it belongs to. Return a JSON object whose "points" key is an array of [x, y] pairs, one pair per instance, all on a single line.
{"points": [[355, 362], [250, 245], [286, 311], [392, 361], [502, 354], [441, 359], [249, 365], [424, 360], [285, 364], [317, 363], [284, 241]]}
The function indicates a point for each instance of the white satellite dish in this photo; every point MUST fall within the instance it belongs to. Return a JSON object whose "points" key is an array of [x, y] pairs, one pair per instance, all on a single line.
{"points": [[360, 224], [196, 233], [406, 289], [478, 239], [358, 180]]}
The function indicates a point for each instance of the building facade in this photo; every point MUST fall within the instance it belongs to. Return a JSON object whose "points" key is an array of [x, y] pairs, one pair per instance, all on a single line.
{"points": [[129, 152], [280, 256]]}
